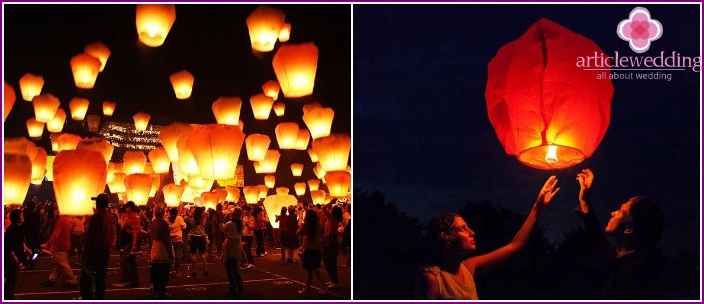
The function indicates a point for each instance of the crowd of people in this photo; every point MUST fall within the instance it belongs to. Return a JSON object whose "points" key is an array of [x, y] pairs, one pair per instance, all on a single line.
{"points": [[313, 235]]}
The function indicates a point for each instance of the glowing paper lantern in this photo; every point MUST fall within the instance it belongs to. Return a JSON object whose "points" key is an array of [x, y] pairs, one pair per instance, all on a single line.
{"points": [[39, 166], [98, 144], [54, 142], [79, 108], [9, 98], [109, 107], [263, 190], [338, 183], [285, 32], [160, 160], [310, 106], [271, 88], [257, 146], [270, 161], [270, 181], [45, 106], [156, 183], [295, 66], [333, 151], [138, 187], [98, 50], [20, 146], [56, 123], [154, 22], [118, 183], [68, 141], [172, 194], [233, 193], [313, 155], [141, 121], [85, 70], [264, 25], [210, 200], [251, 194], [111, 172], [279, 109], [78, 176], [296, 169], [17, 174], [186, 161], [286, 135], [133, 161], [300, 188], [227, 110], [537, 97], [183, 84], [319, 171], [216, 149], [169, 136], [319, 121], [274, 203], [313, 184], [302, 140], [261, 106], [31, 86], [318, 197], [35, 129]]}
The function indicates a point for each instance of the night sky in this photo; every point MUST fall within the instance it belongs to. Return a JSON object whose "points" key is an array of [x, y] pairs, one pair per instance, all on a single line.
{"points": [[422, 134], [211, 41]]}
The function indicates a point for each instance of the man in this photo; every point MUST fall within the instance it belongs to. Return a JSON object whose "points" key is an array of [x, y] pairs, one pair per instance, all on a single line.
{"points": [[633, 268], [14, 243], [60, 244], [161, 253], [100, 236], [129, 245]]}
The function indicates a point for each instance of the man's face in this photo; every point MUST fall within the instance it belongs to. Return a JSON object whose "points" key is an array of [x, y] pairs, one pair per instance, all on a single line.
{"points": [[619, 218]]}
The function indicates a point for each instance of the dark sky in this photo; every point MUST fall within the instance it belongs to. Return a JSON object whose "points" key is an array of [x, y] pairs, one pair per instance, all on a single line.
{"points": [[422, 134], [211, 41]]}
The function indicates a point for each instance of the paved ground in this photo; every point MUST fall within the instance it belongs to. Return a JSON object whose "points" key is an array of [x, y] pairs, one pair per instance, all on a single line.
{"points": [[271, 279]]}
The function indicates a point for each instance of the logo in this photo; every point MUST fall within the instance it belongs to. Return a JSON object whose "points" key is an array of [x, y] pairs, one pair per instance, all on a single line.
{"points": [[639, 30]]}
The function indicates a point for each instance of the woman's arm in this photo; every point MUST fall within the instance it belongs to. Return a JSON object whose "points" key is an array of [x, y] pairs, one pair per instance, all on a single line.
{"points": [[480, 264]]}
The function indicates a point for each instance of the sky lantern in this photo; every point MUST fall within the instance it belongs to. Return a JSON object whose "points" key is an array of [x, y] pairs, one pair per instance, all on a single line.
{"points": [[296, 169], [310, 106], [210, 200], [216, 149], [302, 140], [257, 146], [545, 110], [99, 144], [56, 123], [154, 22], [318, 196], [285, 33], [20, 145], [39, 166], [45, 106], [263, 191], [9, 98], [338, 183], [313, 184], [68, 141], [319, 171], [274, 203], [300, 188], [111, 172], [35, 129], [251, 194], [271, 88], [270, 161], [261, 106], [137, 188], [160, 160], [286, 134], [17, 174], [172, 194], [182, 82], [170, 134], [133, 161], [109, 107], [279, 109], [30, 86], [264, 25], [49, 175], [257, 167], [186, 161], [295, 66], [333, 151], [270, 181], [319, 121], [156, 183], [227, 110], [118, 183], [85, 70], [233, 193], [313, 155], [141, 121], [78, 176], [98, 50], [54, 142], [78, 107]]}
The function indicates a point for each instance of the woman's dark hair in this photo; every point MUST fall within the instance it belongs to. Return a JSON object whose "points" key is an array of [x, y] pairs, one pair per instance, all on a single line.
{"points": [[236, 217], [311, 222], [15, 215], [433, 241], [198, 216], [337, 213], [173, 212]]}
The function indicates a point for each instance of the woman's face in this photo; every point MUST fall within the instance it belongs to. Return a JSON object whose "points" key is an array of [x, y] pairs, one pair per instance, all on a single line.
{"points": [[464, 237]]}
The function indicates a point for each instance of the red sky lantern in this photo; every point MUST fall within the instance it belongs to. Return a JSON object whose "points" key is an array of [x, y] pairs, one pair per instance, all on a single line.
{"points": [[78, 176], [295, 66], [544, 109], [216, 149]]}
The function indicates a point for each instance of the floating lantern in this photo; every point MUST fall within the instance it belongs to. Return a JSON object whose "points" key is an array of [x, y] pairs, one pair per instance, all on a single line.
{"points": [[118, 183], [17, 174], [35, 129], [257, 146], [172, 194], [54, 142], [183, 84], [186, 161], [45, 106], [319, 172], [251, 194], [138, 187], [160, 160], [279, 109], [154, 22], [78, 176], [210, 200], [133, 161], [98, 50], [319, 121], [111, 172], [264, 25], [98, 144], [67, 141], [286, 134], [546, 110], [270, 181], [302, 140], [295, 66], [296, 169], [233, 193], [31, 86], [169, 136], [318, 197], [313, 184], [274, 203], [85, 70], [39, 166], [263, 190], [141, 121], [109, 107], [21, 146], [270, 161], [261, 106], [333, 151], [9, 98], [310, 106], [216, 149], [227, 110], [338, 183], [300, 188], [156, 183], [56, 123], [78, 107], [271, 88], [313, 155], [285, 32]]}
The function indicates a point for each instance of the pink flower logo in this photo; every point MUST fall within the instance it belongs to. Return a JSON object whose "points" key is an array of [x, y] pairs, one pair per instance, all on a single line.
{"points": [[639, 30]]}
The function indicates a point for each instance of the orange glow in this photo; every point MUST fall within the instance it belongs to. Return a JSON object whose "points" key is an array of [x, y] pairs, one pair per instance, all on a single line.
{"points": [[333, 151], [302, 140], [271, 88], [270, 161], [279, 109], [154, 22], [133, 161], [160, 160], [319, 121], [31, 86], [261, 106], [9, 98], [270, 181], [39, 165], [56, 123], [109, 107], [99, 144], [251, 194], [137, 188], [227, 110], [318, 196], [264, 25], [78, 176], [338, 183], [172, 194], [216, 149], [35, 129], [85, 70], [141, 121], [295, 66], [257, 145], [183, 84], [45, 106], [286, 134], [169, 136], [17, 173], [285, 32], [68, 141], [300, 188], [313, 184], [98, 50], [296, 169], [79, 108]]}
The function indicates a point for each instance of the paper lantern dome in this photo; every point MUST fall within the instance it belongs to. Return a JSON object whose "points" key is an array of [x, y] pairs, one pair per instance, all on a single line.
{"points": [[98, 50], [17, 174], [160, 160], [78, 176], [285, 33], [98, 144], [271, 88], [319, 121], [9, 98], [39, 166], [216, 149], [182, 83], [227, 110], [264, 25], [296, 169], [338, 183], [279, 109], [270, 181], [169, 136], [56, 123], [109, 107], [30, 86], [154, 22], [261, 106], [300, 188], [257, 146], [172, 194], [133, 161], [333, 151], [286, 135], [35, 129], [313, 184], [251, 194], [141, 121], [45, 106], [295, 66], [79, 108], [137, 188], [67, 141], [85, 70]]}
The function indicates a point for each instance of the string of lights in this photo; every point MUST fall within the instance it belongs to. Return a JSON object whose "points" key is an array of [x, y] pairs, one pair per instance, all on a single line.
{"points": [[124, 135]]}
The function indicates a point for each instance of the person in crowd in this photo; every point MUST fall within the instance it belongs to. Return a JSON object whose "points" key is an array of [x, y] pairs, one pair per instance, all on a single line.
{"points": [[176, 226], [451, 268], [331, 243], [248, 224], [100, 237], [131, 227], [289, 238], [60, 245], [633, 268], [161, 255], [259, 229], [78, 235], [232, 252], [14, 242], [345, 231], [312, 232], [199, 240]]}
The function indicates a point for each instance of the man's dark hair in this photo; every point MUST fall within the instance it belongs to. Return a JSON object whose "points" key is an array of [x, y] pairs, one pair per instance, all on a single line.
{"points": [[647, 219]]}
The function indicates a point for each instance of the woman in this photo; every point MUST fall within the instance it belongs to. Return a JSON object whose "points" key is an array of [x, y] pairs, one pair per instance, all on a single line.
{"points": [[176, 226], [232, 251], [312, 232], [451, 269], [198, 240]]}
